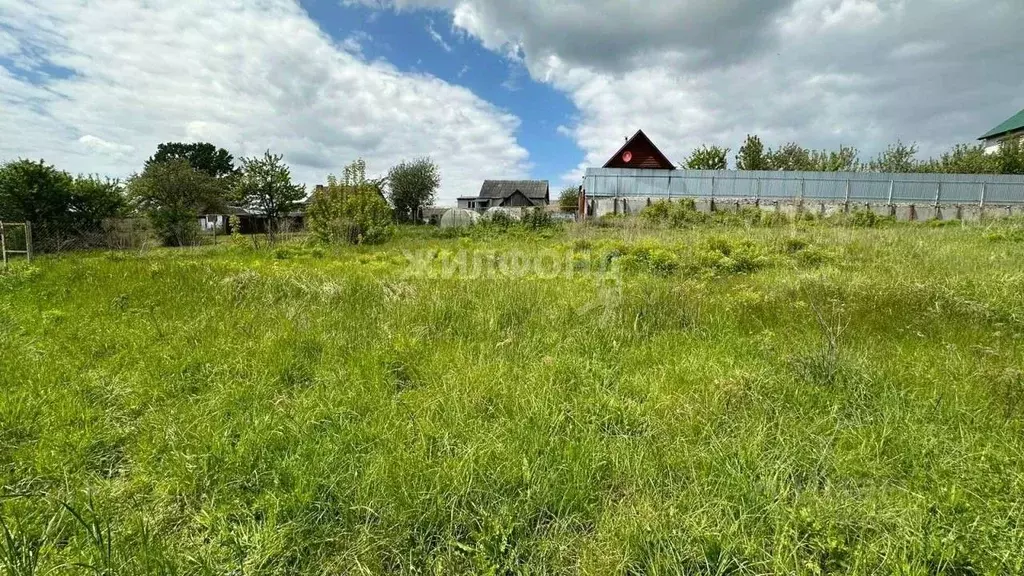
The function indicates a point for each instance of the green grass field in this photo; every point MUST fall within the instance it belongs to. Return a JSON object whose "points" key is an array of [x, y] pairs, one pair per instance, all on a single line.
{"points": [[590, 400]]}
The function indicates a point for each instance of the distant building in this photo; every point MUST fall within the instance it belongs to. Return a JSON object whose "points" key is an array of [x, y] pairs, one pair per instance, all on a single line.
{"points": [[1011, 128], [250, 222], [508, 194], [640, 152]]}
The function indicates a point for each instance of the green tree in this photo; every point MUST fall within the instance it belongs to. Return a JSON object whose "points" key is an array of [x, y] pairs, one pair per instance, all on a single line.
{"points": [[350, 210], [965, 159], [791, 157], [411, 186], [264, 186], [36, 192], [752, 155], [96, 199], [898, 157], [569, 199], [846, 159], [708, 158], [58, 206], [1010, 157], [173, 194], [202, 156]]}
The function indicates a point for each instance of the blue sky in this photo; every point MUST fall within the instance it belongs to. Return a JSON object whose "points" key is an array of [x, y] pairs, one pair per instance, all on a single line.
{"points": [[496, 89], [403, 39]]}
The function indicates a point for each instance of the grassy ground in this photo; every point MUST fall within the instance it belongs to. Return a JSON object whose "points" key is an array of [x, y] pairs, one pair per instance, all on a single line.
{"points": [[717, 400]]}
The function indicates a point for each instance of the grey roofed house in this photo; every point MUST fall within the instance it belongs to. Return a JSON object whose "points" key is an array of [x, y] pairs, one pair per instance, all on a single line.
{"points": [[509, 194]]}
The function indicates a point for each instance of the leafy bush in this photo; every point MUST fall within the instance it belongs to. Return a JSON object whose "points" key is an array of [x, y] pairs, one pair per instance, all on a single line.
{"points": [[569, 199], [679, 213], [863, 218], [350, 211], [537, 219], [735, 258], [59, 206]]}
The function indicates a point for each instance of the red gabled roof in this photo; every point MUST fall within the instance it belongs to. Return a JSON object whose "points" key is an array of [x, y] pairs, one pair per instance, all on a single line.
{"points": [[643, 154]]}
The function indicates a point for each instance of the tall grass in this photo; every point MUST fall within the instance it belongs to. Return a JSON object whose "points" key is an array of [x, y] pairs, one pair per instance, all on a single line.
{"points": [[788, 399]]}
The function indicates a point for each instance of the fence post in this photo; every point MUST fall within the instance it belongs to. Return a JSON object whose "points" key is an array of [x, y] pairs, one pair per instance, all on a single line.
{"points": [[892, 184], [28, 241], [938, 194], [846, 201], [757, 198], [984, 186], [3, 243]]}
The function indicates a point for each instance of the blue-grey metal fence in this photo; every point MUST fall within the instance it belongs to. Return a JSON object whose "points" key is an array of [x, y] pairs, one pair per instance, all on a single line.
{"points": [[872, 187]]}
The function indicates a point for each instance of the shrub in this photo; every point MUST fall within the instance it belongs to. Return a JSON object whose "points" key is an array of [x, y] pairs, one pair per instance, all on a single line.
{"points": [[863, 218], [679, 213], [350, 211], [537, 219], [569, 199]]}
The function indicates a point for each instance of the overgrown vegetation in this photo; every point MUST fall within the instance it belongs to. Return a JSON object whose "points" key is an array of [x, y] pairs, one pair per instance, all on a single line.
{"points": [[264, 186], [351, 210], [172, 195], [57, 204], [898, 157], [569, 199], [643, 398]]}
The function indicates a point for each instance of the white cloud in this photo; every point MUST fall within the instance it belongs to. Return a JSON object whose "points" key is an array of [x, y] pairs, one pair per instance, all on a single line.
{"points": [[8, 43], [247, 76], [820, 72], [354, 43], [436, 37], [101, 146]]}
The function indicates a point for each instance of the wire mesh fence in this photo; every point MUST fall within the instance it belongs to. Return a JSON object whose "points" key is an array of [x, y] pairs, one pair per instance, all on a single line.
{"points": [[136, 234]]}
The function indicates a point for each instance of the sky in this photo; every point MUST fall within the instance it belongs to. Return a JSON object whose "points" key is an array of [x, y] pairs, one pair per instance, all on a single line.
{"points": [[496, 89]]}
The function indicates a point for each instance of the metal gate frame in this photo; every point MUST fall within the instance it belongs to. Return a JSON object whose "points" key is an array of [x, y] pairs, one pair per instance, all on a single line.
{"points": [[4, 226]]}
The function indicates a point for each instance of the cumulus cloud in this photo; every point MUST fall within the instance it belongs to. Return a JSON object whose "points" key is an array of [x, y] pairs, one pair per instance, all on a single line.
{"points": [[245, 75], [821, 72]]}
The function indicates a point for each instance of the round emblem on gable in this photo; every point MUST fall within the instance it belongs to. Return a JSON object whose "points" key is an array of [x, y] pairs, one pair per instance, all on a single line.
{"points": [[627, 156]]}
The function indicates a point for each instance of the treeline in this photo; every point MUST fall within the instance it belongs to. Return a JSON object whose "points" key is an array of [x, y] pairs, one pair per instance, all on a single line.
{"points": [[182, 181], [898, 157]]}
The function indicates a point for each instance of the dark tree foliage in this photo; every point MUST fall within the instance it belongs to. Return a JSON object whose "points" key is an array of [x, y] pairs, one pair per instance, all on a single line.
{"points": [[55, 202], [202, 156]]}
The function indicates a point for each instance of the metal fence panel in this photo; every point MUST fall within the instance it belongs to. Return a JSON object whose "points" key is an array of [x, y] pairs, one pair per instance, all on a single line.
{"points": [[825, 186]]}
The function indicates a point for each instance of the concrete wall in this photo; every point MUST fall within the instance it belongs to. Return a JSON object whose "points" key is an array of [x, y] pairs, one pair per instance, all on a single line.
{"points": [[597, 207]]}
